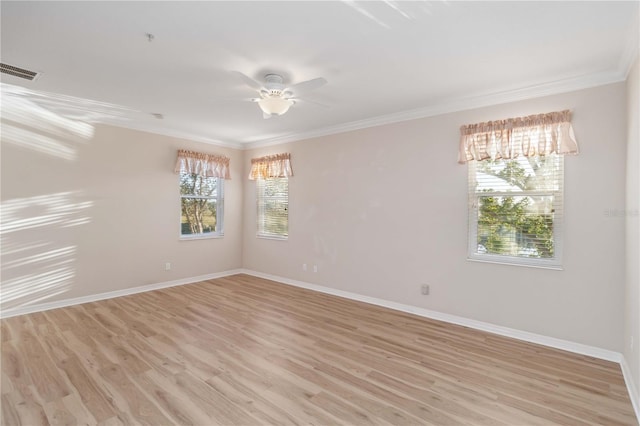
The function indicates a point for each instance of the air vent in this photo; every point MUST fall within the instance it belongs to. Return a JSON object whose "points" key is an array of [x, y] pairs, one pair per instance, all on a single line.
{"points": [[18, 72]]}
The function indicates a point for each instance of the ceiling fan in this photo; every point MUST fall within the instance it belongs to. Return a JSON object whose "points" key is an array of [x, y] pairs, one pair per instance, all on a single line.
{"points": [[276, 98]]}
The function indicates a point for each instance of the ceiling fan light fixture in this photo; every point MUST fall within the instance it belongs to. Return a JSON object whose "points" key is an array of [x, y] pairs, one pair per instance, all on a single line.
{"points": [[275, 105]]}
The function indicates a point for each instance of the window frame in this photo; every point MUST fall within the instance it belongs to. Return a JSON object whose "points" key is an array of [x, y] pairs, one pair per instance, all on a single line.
{"points": [[219, 200], [260, 182], [558, 222]]}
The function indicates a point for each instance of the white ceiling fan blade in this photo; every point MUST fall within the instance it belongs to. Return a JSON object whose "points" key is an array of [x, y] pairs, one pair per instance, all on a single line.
{"points": [[309, 101], [249, 81], [226, 100], [308, 85]]}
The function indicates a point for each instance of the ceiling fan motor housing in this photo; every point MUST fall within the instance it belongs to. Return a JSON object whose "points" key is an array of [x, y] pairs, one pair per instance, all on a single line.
{"points": [[273, 84]]}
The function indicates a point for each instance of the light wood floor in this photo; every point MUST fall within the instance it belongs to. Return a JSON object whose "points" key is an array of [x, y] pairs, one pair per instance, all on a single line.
{"points": [[247, 351]]}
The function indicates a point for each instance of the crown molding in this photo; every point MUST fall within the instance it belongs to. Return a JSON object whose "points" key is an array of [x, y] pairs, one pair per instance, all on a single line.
{"points": [[102, 113], [460, 104], [177, 134], [479, 100]]}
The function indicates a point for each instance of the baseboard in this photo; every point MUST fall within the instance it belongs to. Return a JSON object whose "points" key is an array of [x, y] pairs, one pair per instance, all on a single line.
{"points": [[631, 387], [21, 310], [454, 319], [526, 336]]}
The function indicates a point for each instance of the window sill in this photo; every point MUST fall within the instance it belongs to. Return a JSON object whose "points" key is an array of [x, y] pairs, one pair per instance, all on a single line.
{"points": [[516, 262], [200, 237], [272, 237]]}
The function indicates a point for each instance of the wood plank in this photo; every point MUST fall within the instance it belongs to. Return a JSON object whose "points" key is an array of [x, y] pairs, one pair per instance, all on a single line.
{"points": [[243, 350], [174, 403], [19, 409], [93, 395], [129, 400]]}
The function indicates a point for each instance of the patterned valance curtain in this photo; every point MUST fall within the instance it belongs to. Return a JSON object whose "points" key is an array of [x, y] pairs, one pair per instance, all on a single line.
{"points": [[540, 134], [271, 166], [206, 165]]}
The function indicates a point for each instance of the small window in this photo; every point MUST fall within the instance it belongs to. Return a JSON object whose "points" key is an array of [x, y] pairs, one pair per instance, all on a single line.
{"points": [[273, 207], [202, 206], [515, 210]]}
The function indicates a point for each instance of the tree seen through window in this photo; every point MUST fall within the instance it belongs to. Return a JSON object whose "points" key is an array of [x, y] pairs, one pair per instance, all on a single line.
{"points": [[201, 204], [515, 201]]}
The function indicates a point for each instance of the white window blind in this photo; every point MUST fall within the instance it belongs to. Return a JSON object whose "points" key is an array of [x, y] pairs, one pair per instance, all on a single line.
{"points": [[273, 207], [516, 210]]}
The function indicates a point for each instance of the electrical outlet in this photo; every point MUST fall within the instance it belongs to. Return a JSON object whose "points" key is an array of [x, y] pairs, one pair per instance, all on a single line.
{"points": [[167, 266], [315, 268], [424, 289], [304, 266]]}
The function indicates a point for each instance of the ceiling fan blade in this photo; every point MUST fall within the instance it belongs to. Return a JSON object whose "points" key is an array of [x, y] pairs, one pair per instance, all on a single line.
{"points": [[266, 116], [249, 81], [309, 101], [225, 100], [308, 85]]}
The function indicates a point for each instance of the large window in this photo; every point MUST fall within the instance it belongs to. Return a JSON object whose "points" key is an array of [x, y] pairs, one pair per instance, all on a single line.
{"points": [[515, 210], [516, 184], [273, 207], [202, 205]]}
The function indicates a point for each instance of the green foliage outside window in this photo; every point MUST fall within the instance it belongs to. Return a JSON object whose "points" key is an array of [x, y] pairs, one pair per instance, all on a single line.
{"points": [[520, 220]]}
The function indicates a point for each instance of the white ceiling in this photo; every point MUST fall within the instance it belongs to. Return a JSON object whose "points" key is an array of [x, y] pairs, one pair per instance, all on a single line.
{"points": [[384, 61]]}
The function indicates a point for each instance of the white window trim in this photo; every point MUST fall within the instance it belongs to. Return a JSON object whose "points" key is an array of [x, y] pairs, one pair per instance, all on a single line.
{"points": [[209, 236], [219, 219], [271, 237], [558, 229]]}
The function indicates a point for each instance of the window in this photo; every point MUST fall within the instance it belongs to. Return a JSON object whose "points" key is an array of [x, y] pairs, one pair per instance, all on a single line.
{"points": [[201, 193], [272, 174], [202, 205], [273, 207], [516, 186], [515, 210]]}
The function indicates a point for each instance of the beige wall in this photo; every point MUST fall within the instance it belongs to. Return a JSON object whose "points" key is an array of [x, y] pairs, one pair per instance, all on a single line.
{"points": [[632, 294], [380, 211], [383, 210], [100, 212]]}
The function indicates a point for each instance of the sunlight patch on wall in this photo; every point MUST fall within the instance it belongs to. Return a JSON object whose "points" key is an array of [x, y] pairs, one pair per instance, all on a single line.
{"points": [[29, 139], [44, 210], [38, 248], [55, 273], [50, 123]]}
